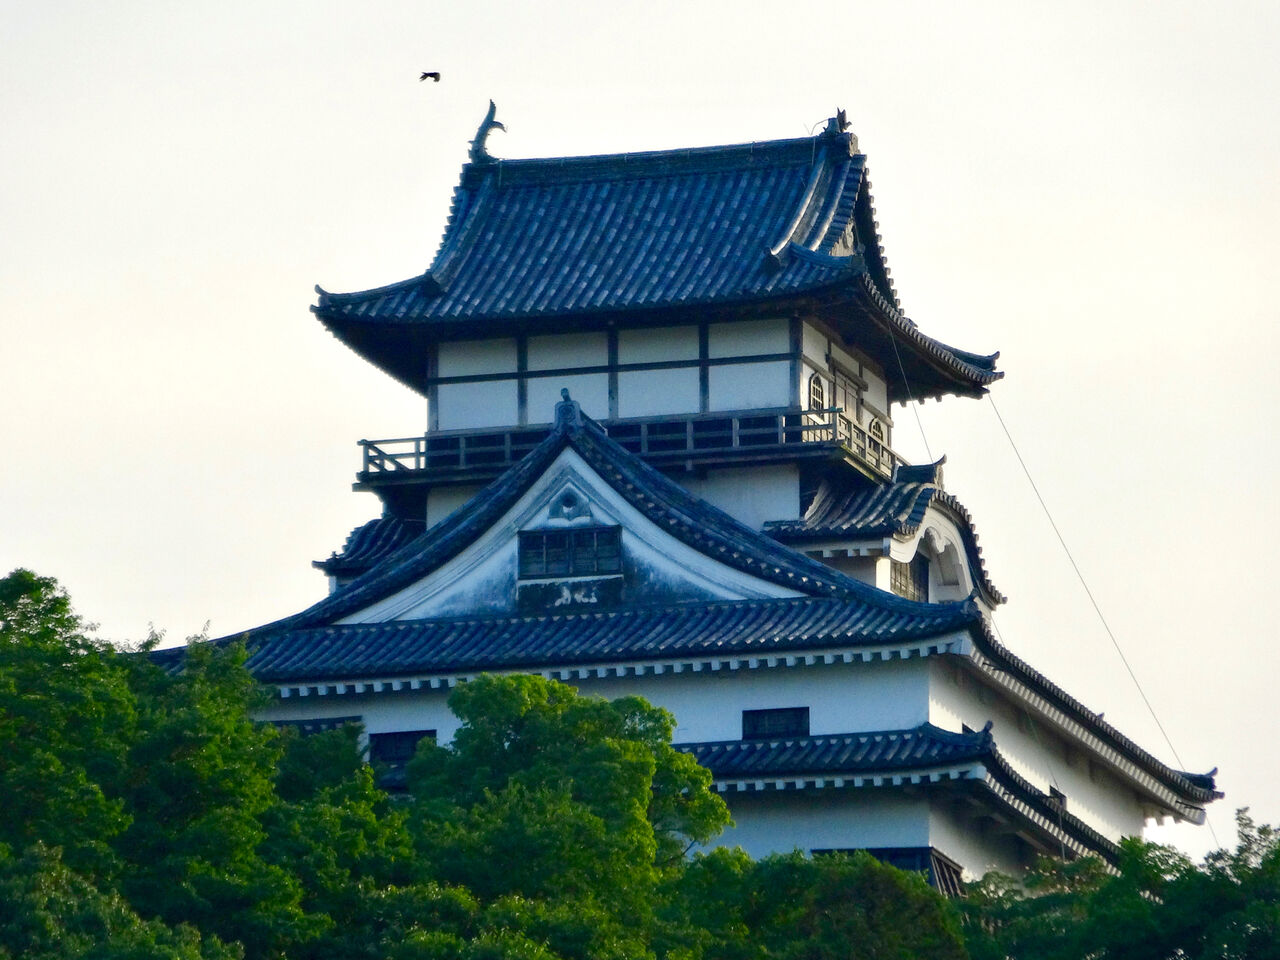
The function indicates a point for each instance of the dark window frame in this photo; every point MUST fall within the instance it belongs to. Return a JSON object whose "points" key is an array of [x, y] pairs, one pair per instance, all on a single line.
{"points": [[396, 747], [911, 579], [566, 553], [775, 722]]}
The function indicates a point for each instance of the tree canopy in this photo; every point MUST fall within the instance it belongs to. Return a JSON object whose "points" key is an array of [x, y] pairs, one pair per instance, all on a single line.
{"points": [[148, 816]]}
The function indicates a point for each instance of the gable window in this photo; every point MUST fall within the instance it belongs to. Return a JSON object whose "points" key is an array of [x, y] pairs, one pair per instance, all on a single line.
{"points": [[910, 580], [581, 552], [784, 722]]}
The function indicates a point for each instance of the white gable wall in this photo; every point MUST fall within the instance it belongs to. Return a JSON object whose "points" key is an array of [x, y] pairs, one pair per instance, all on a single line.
{"points": [[482, 578]]}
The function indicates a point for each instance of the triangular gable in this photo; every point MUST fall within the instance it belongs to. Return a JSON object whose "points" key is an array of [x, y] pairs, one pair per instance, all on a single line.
{"points": [[485, 577], [693, 550]]}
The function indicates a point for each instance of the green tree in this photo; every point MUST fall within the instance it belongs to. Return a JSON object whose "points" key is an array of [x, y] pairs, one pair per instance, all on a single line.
{"points": [[49, 912], [561, 812], [793, 907], [1155, 904], [201, 776], [67, 718]]}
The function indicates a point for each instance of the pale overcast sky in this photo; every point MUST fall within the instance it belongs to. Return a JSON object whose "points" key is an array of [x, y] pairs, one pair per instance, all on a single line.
{"points": [[1090, 188]]}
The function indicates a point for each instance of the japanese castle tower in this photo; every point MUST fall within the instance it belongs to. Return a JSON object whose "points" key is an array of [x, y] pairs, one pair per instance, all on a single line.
{"points": [[659, 460]]}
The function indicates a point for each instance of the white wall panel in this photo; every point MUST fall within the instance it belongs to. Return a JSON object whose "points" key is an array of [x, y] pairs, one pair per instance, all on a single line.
{"points": [[469, 406], [751, 495], [751, 386], [651, 393], [779, 822], [748, 337], [657, 344], [468, 357], [568, 350], [591, 390]]}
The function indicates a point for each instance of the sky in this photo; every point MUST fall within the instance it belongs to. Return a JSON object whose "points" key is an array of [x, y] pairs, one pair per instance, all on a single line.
{"points": [[1089, 188]]}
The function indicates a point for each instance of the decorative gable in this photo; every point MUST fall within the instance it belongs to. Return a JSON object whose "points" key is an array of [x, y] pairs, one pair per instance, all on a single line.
{"points": [[570, 543]]}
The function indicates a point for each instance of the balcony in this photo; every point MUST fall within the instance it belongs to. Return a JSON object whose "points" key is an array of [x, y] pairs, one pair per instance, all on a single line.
{"points": [[673, 442]]}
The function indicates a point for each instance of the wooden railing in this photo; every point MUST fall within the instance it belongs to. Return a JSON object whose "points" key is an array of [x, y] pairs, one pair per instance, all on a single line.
{"points": [[696, 437]]}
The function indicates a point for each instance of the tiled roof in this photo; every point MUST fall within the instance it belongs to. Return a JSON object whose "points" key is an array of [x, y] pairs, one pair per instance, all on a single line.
{"points": [[893, 752], [1194, 787], [694, 630], [368, 544], [536, 240], [890, 509], [664, 502], [924, 746]]}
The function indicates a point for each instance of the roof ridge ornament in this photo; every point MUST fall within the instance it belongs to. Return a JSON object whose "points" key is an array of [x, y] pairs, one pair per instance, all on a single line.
{"points": [[478, 153], [568, 413], [838, 126]]}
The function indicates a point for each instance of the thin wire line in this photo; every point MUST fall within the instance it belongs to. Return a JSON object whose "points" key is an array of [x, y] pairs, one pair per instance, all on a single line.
{"points": [[1089, 593], [1080, 576], [915, 407]]}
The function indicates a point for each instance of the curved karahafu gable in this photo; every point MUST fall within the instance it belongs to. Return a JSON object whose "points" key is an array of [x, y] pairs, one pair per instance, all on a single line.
{"points": [[581, 242], [898, 509]]}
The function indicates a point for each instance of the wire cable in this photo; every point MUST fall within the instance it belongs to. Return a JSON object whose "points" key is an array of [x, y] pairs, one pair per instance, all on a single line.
{"points": [[1092, 600], [915, 407]]}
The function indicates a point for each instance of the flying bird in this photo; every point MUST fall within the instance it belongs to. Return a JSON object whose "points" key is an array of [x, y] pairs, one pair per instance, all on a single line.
{"points": [[433, 75]]}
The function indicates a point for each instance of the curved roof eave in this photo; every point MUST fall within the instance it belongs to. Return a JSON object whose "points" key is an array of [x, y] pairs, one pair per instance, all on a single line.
{"points": [[1193, 789]]}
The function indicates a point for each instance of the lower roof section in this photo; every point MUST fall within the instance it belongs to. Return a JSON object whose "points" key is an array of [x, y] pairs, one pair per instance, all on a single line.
{"points": [[926, 757], [728, 629]]}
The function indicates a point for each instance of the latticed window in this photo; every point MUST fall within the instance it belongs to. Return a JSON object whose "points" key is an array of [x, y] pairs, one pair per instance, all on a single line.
{"points": [[784, 722], [910, 580], [584, 552], [817, 393]]}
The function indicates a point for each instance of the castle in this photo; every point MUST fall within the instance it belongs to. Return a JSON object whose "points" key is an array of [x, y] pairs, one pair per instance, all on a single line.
{"points": [[659, 460]]}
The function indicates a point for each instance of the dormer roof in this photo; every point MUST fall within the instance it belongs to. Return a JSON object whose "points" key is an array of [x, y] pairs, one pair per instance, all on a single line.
{"points": [[894, 509], [577, 242]]}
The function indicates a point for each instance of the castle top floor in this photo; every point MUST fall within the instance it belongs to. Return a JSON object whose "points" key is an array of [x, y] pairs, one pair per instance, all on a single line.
{"points": [[679, 281]]}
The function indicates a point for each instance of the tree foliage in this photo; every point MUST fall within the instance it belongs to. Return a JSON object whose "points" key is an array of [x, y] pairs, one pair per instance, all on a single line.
{"points": [[1155, 905], [148, 817]]}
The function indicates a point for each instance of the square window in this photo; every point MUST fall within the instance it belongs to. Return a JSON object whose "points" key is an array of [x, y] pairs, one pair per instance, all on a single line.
{"points": [[582, 552], [784, 722]]}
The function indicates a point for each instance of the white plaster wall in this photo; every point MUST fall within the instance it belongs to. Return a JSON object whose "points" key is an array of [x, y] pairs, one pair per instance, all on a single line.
{"points": [[1035, 752], [751, 495], [974, 845], [872, 570], [442, 501], [750, 386], [814, 346], [652, 393], [591, 390], [842, 698], [470, 406], [466, 358], [707, 705], [657, 344], [748, 337], [779, 822], [876, 395], [380, 713], [568, 350]]}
